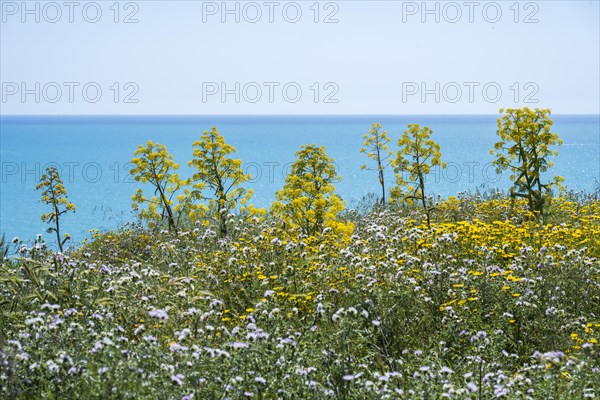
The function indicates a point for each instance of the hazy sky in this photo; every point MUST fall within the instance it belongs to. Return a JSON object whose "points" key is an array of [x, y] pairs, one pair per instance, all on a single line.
{"points": [[279, 57]]}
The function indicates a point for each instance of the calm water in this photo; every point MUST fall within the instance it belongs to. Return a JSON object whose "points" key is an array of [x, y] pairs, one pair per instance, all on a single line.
{"points": [[93, 154]]}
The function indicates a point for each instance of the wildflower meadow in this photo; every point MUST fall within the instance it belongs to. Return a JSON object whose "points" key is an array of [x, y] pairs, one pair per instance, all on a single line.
{"points": [[475, 296]]}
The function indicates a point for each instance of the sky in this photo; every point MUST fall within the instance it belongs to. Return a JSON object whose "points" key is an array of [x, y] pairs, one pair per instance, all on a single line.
{"points": [[303, 57]]}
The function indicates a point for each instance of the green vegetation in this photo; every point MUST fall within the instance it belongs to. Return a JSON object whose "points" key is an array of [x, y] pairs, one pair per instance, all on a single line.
{"points": [[376, 147], [417, 154], [156, 166], [524, 148], [465, 298], [55, 195], [221, 174], [307, 201]]}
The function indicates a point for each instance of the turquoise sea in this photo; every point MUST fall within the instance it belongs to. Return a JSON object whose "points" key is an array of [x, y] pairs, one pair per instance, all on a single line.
{"points": [[93, 155]]}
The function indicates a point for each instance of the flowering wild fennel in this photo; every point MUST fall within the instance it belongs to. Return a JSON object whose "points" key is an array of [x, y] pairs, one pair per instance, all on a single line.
{"points": [[308, 201], [154, 165], [416, 155], [221, 175], [376, 147], [524, 149], [55, 195]]}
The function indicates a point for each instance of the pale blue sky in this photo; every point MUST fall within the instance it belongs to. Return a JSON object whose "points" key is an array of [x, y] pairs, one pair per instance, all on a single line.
{"points": [[374, 60]]}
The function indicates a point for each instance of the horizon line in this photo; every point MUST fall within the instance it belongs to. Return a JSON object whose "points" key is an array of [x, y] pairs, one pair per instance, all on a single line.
{"points": [[267, 115]]}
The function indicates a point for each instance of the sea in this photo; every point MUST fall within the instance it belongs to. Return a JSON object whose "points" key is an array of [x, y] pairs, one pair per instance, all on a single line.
{"points": [[93, 155]]}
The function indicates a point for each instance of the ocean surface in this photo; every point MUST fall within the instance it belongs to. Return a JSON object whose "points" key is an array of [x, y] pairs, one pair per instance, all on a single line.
{"points": [[94, 153]]}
